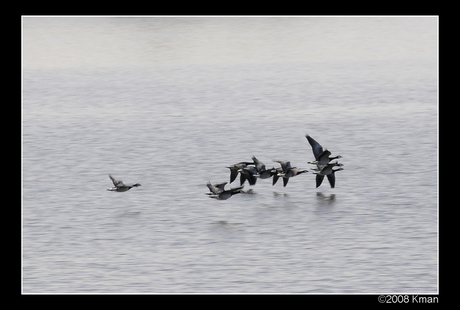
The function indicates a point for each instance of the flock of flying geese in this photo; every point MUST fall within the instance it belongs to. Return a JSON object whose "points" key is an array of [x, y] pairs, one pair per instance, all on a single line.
{"points": [[251, 171]]}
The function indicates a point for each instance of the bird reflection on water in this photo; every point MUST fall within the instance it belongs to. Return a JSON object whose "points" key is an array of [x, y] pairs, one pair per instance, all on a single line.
{"points": [[278, 194], [325, 199]]}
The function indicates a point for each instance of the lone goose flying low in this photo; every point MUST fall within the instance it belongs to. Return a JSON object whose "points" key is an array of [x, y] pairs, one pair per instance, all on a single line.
{"points": [[217, 191], [120, 186]]}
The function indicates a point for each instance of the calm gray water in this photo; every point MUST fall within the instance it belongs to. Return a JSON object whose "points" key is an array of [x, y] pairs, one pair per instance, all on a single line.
{"points": [[170, 102]]}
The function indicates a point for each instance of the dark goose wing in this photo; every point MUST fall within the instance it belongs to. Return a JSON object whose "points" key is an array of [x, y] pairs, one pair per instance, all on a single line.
{"points": [[233, 174], [259, 165], [316, 147], [285, 181], [331, 178], [285, 165], [251, 178], [217, 188], [116, 182], [275, 179], [319, 180]]}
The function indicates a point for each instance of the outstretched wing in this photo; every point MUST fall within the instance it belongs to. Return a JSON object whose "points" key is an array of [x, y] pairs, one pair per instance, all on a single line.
{"points": [[331, 178], [275, 179], [259, 165], [233, 173], [116, 182], [319, 180], [243, 178], [285, 165], [217, 188], [250, 175], [316, 147], [285, 181]]}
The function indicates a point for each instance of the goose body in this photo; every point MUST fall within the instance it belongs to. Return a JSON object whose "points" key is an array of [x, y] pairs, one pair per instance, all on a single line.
{"points": [[290, 173], [287, 171], [218, 191], [247, 173], [119, 186], [324, 158], [267, 174], [285, 165], [226, 194], [329, 172], [262, 171], [325, 170], [234, 169]]}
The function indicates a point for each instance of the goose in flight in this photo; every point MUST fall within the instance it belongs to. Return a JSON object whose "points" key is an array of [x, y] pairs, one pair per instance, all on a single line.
{"points": [[267, 174], [235, 168], [285, 165], [258, 164], [327, 167], [247, 173], [291, 173], [262, 172], [287, 171], [327, 171], [120, 186], [218, 191], [275, 175], [322, 156]]}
